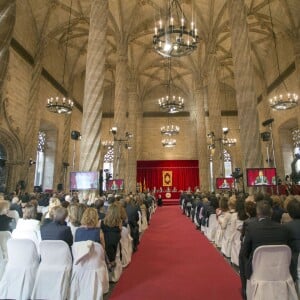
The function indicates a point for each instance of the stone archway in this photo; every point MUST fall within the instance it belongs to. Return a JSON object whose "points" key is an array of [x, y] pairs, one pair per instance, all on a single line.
{"points": [[13, 159]]}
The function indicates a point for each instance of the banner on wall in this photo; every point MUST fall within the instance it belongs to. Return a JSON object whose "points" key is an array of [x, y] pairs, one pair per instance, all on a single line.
{"points": [[167, 178]]}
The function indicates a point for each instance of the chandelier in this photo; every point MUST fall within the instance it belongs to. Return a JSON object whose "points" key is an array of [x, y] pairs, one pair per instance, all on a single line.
{"points": [[296, 137], [229, 142], [170, 104], [289, 100], [169, 130], [61, 105], [173, 37], [107, 144], [168, 143], [282, 102]]}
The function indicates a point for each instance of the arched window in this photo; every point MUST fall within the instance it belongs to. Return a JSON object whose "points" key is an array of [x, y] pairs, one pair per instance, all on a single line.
{"points": [[227, 163], [108, 166], [40, 159]]}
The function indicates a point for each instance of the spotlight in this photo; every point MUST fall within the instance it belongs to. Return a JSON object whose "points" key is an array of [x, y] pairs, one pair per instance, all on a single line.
{"points": [[114, 130], [75, 135], [225, 130], [31, 162], [211, 134]]}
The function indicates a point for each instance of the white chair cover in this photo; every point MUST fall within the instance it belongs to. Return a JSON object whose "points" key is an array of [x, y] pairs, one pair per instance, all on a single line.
{"points": [[18, 279], [4, 237], [126, 246], [54, 271], [298, 280], [14, 214], [212, 227], [219, 232], [140, 221], [115, 275], [144, 222], [271, 277], [228, 234], [236, 243], [35, 236], [90, 278], [3, 263]]}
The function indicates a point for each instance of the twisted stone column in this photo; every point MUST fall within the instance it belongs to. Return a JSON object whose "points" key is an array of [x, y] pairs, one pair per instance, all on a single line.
{"points": [[244, 84], [201, 138], [297, 64], [90, 153], [65, 151], [7, 23], [120, 109], [132, 125], [215, 119]]}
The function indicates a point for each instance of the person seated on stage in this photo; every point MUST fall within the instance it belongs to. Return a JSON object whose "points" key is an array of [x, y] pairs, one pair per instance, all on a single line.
{"points": [[174, 189], [225, 184], [261, 179], [168, 189], [160, 189]]}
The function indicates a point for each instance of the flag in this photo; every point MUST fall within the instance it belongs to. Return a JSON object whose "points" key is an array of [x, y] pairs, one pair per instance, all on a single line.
{"points": [[144, 185]]}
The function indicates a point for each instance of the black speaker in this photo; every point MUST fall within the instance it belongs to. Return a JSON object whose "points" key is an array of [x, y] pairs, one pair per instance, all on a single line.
{"points": [[60, 187], [101, 182], [265, 136], [2, 162], [37, 189], [267, 122], [75, 135]]}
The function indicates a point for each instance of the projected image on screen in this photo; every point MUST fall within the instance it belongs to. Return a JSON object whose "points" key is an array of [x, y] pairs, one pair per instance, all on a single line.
{"points": [[115, 184], [261, 176], [84, 180], [225, 183]]}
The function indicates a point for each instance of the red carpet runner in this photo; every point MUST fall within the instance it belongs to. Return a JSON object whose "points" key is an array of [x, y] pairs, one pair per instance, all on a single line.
{"points": [[175, 261]]}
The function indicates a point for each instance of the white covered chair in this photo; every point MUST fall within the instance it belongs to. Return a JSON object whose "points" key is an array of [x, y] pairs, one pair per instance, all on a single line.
{"points": [[14, 214], [271, 278], [90, 279], [19, 276], [228, 234], [212, 227], [35, 236], [4, 237], [54, 271], [236, 243], [126, 246], [116, 273]]}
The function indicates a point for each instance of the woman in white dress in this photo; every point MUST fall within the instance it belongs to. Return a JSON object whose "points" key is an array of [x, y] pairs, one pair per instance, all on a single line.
{"points": [[221, 213]]}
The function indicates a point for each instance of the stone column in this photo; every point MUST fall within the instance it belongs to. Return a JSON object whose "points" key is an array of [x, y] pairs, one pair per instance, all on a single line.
{"points": [[130, 185], [244, 85], [215, 119], [90, 151], [120, 110], [297, 64], [7, 23], [203, 156]]}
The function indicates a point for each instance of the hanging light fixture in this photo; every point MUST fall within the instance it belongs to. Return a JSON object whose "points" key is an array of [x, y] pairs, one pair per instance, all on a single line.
{"points": [[287, 100], [57, 104], [171, 103], [229, 142], [175, 36], [168, 143], [169, 130], [296, 137]]}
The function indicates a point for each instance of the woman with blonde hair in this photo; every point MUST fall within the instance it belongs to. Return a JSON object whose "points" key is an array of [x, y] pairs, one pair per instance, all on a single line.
{"points": [[6, 223], [89, 229], [75, 213], [111, 227]]}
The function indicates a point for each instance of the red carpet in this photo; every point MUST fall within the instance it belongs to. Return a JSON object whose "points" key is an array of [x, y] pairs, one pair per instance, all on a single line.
{"points": [[175, 261]]}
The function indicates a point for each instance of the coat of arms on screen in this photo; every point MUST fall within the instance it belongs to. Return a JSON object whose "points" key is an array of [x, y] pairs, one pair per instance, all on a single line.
{"points": [[167, 178]]}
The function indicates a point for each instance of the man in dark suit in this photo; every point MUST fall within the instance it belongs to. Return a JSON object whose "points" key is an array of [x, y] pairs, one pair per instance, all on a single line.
{"points": [[262, 232], [261, 178], [133, 217], [57, 229], [293, 208]]}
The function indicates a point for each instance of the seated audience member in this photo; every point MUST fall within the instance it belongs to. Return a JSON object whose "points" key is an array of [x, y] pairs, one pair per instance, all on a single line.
{"points": [[15, 205], [221, 214], [89, 229], [277, 209], [262, 232], [57, 229], [6, 223], [159, 200], [111, 227], [133, 217], [28, 224], [39, 215], [143, 209], [99, 205], [75, 212], [53, 202], [285, 218], [293, 226]]}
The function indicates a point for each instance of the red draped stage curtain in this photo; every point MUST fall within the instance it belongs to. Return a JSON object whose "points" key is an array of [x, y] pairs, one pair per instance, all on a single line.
{"points": [[185, 173]]}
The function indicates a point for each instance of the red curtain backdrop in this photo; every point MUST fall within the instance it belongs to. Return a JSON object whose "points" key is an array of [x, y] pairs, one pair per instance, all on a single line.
{"points": [[185, 173]]}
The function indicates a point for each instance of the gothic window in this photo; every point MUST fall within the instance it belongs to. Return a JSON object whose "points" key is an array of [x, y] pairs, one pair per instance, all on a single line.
{"points": [[40, 158]]}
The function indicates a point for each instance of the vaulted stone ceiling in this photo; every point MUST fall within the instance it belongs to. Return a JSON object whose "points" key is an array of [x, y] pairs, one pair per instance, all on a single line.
{"points": [[133, 21]]}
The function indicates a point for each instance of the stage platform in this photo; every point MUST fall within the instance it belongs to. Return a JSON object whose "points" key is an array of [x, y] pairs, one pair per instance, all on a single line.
{"points": [[170, 202]]}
